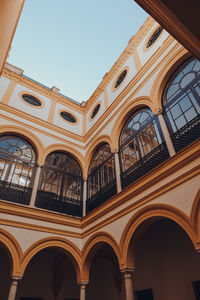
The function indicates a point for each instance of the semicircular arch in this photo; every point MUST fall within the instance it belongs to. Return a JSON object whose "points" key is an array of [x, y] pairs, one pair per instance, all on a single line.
{"points": [[91, 247], [67, 246], [66, 149], [163, 76], [14, 251], [27, 135], [137, 224], [134, 105]]}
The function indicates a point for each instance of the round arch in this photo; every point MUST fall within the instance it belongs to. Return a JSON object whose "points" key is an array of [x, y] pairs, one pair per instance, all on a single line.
{"points": [[141, 220], [163, 76], [14, 250], [64, 148], [71, 250], [90, 248], [95, 144], [195, 216], [134, 105], [27, 135]]}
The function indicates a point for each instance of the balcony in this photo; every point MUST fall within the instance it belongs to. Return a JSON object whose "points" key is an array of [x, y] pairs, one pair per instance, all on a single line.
{"points": [[15, 193]]}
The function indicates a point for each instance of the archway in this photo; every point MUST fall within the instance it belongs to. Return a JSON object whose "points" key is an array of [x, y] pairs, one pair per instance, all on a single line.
{"points": [[167, 265], [5, 271], [50, 274]]}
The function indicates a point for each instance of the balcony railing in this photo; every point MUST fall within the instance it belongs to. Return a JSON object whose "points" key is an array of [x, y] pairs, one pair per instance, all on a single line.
{"points": [[187, 134], [144, 165], [101, 196], [61, 204], [15, 193]]}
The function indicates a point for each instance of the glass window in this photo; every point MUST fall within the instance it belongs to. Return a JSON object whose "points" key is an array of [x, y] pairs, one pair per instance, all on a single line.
{"points": [[68, 117], [120, 78], [154, 36], [181, 99], [101, 169], [62, 176], [95, 111], [31, 100], [139, 136], [17, 161]]}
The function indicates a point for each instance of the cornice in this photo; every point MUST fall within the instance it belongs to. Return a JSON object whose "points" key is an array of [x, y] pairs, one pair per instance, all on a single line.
{"points": [[45, 91]]}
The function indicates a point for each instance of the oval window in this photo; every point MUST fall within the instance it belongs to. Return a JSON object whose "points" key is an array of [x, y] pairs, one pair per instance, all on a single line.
{"points": [[68, 117], [154, 36], [120, 78], [31, 100], [95, 111]]}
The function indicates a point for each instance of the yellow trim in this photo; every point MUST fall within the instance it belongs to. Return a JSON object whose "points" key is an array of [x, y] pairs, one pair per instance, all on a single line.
{"points": [[90, 115], [27, 135], [90, 248], [84, 124], [14, 249], [9, 92], [72, 252], [52, 111], [137, 60], [65, 148], [113, 88], [145, 49], [69, 112], [166, 71], [106, 102], [35, 96], [129, 239]]}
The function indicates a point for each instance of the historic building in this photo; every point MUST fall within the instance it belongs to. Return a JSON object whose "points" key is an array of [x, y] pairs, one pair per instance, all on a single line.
{"points": [[100, 200]]}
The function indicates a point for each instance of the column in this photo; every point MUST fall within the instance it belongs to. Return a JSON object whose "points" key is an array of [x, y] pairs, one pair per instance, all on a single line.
{"points": [[35, 185], [166, 134], [83, 290], [117, 171], [128, 283], [13, 288], [84, 196]]}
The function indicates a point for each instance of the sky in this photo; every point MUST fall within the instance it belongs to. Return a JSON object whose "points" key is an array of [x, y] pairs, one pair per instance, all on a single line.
{"points": [[71, 44]]}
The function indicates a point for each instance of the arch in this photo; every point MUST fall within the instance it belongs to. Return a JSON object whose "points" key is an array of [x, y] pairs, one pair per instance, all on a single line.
{"points": [[95, 144], [90, 248], [56, 242], [14, 251], [195, 215], [27, 135], [163, 76], [67, 149], [131, 234], [135, 104]]}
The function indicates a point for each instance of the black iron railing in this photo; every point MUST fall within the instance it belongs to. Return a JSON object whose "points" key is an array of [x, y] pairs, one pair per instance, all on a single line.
{"points": [[144, 165], [54, 202], [15, 193], [101, 196], [187, 134]]}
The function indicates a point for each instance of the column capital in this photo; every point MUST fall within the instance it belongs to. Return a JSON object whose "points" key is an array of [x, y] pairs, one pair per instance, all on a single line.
{"points": [[39, 165], [116, 150], [83, 283], [16, 278], [158, 111], [84, 178], [127, 272]]}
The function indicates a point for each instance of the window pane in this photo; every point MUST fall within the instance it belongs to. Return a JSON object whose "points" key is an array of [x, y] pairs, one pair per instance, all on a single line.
{"points": [[180, 122]]}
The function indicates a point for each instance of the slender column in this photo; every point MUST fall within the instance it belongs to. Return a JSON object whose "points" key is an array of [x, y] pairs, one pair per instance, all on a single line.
{"points": [[13, 288], [117, 171], [128, 283], [35, 185], [84, 196], [166, 134], [83, 290]]}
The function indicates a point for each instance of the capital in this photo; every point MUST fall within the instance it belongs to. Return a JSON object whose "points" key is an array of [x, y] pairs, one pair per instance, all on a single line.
{"points": [[157, 111]]}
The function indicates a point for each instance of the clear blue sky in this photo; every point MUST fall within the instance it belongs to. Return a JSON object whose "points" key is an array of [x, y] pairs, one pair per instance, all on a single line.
{"points": [[71, 44]]}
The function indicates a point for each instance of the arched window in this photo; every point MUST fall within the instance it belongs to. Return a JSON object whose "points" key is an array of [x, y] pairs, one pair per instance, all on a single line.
{"points": [[181, 102], [101, 178], [141, 141], [60, 186], [17, 163]]}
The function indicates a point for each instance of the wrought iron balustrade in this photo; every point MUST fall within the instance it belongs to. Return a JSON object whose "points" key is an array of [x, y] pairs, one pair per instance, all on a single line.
{"points": [[15, 193], [54, 202], [144, 165], [101, 196], [187, 134]]}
